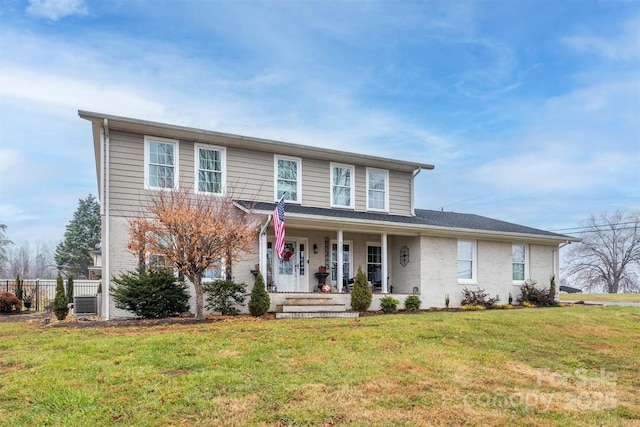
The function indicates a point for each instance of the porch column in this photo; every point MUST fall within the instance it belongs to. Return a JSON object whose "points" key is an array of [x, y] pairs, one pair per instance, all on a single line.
{"points": [[262, 245], [385, 267], [339, 263], [263, 256]]}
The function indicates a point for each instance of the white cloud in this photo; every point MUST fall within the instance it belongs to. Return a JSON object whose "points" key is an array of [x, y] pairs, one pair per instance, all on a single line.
{"points": [[9, 158], [39, 86], [56, 9], [623, 46]]}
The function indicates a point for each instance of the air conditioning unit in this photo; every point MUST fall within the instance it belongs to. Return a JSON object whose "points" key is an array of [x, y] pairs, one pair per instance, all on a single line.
{"points": [[86, 305]]}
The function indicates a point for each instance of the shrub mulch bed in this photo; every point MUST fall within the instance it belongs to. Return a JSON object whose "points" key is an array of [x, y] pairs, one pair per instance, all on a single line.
{"points": [[72, 322]]}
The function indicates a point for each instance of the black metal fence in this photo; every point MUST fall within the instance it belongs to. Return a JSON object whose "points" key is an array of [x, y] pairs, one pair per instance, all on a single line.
{"points": [[41, 292]]}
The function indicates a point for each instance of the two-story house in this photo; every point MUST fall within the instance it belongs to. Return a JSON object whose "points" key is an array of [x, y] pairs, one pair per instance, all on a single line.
{"points": [[343, 211]]}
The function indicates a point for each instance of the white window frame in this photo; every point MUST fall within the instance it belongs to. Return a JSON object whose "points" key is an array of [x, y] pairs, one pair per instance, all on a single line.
{"points": [[375, 245], [147, 157], [526, 263], [152, 261], [386, 190], [222, 265], [474, 262], [352, 194], [223, 172], [298, 160]]}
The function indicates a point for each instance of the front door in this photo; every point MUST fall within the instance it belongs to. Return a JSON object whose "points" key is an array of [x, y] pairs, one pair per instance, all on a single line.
{"points": [[291, 268]]}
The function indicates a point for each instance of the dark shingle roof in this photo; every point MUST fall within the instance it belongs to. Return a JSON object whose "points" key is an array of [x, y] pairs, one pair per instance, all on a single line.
{"points": [[423, 218]]}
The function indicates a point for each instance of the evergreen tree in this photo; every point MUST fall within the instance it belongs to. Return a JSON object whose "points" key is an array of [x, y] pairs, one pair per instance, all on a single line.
{"points": [[151, 293], [259, 301], [60, 303], [70, 287], [19, 287], [81, 236], [361, 294]]}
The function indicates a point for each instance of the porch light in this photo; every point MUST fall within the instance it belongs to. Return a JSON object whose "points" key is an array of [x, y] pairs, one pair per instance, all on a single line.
{"points": [[315, 248]]}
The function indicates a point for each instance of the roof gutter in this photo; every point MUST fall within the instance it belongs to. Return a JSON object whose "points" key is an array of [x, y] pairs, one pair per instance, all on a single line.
{"points": [[105, 202], [413, 190]]}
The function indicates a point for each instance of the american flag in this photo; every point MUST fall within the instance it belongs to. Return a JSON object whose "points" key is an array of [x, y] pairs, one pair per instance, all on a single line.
{"points": [[278, 227]]}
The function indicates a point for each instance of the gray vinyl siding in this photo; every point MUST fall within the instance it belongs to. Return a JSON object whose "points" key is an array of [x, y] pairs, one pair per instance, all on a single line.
{"points": [[361, 188], [126, 170], [315, 183], [250, 176], [399, 193]]}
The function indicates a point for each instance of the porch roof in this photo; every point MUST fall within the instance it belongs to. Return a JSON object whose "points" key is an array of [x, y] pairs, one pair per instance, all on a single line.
{"points": [[425, 220]]}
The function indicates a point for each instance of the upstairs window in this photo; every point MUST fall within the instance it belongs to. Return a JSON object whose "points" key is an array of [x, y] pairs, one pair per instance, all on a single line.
{"points": [[467, 265], [161, 163], [342, 178], [377, 190], [288, 179], [519, 254], [210, 169]]}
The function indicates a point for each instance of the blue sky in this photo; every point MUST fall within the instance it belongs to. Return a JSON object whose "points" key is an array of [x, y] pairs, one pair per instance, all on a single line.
{"points": [[530, 111]]}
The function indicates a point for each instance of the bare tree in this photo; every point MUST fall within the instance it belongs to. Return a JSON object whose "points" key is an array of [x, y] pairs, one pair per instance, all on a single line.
{"points": [[30, 262], [608, 258], [4, 244], [192, 232]]}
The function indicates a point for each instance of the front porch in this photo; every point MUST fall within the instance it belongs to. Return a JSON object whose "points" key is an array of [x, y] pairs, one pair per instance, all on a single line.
{"points": [[390, 262]]}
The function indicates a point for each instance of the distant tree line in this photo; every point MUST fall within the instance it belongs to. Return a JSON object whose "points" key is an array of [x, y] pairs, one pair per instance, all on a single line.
{"points": [[608, 258], [45, 260]]}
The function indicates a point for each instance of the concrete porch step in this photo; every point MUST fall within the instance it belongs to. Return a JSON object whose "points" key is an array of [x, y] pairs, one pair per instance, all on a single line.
{"points": [[309, 300], [323, 314], [310, 308]]}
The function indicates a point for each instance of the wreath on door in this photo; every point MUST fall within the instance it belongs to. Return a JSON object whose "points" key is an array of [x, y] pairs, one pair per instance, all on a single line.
{"points": [[288, 252]]}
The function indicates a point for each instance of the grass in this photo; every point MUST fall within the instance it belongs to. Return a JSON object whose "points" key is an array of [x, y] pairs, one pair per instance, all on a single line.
{"points": [[601, 297], [557, 366]]}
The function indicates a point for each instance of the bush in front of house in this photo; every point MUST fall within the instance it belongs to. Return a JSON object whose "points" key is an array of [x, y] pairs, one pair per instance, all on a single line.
{"points": [[70, 287], [412, 303], [60, 302], [151, 293], [361, 294], [223, 295], [476, 298], [19, 294], [9, 302], [389, 304], [530, 294], [259, 301]]}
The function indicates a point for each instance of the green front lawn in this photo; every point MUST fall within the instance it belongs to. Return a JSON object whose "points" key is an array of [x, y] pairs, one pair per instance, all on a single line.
{"points": [[601, 297], [554, 366]]}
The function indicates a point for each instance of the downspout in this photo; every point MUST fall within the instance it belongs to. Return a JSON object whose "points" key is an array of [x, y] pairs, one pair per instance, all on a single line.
{"points": [[105, 202], [263, 249], [413, 191]]}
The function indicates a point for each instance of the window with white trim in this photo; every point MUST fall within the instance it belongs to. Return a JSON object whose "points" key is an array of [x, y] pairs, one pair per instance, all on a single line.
{"points": [[288, 178], [342, 182], [161, 163], [157, 262], [210, 169], [467, 265], [377, 190], [374, 264], [214, 272], [520, 262]]}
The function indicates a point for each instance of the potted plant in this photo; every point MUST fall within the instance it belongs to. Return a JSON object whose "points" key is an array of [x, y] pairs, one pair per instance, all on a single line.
{"points": [[26, 299]]}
